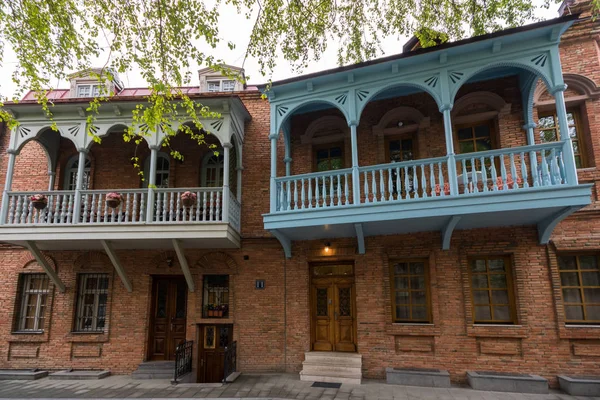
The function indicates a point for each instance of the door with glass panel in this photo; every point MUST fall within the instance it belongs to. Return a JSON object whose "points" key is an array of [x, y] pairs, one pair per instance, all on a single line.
{"points": [[399, 149], [333, 308], [168, 317]]}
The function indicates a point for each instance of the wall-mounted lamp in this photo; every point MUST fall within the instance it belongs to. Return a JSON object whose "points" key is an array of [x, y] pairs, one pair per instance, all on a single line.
{"points": [[169, 262], [327, 247], [400, 123]]}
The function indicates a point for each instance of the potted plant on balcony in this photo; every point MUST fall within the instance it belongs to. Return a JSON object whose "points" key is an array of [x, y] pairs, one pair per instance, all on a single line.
{"points": [[113, 199], [39, 201], [210, 310], [188, 199]]}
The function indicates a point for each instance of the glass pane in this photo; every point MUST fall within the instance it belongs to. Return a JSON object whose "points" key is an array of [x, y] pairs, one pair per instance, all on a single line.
{"points": [[401, 268], [481, 297], [565, 263], [344, 296], [501, 313], [590, 278], [592, 313], [417, 268], [570, 118], [103, 284], [578, 162], [466, 147], [161, 300], [569, 279], [482, 313], [418, 297], [322, 154], [91, 283], [483, 144], [500, 297], [482, 131], [180, 302], [419, 313], [209, 337], [498, 281], [478, 266], [574, 313], [571, 296], [548, 135], [588, 262], [546, 122], [401, 282], [572, 132], [407, 145], [402, 297], [417, 282], [223, 337], [394, 145], [465, 133], [497, 265], [402, 312], [591, 295], [322, 308], [479, 281], [335, 152], [327, 270]]}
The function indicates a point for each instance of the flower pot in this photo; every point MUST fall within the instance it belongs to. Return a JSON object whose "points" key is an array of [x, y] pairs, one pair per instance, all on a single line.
{"points": [[39, 205], [188, 202], [211, 313], [113, 203], [219, 313]]}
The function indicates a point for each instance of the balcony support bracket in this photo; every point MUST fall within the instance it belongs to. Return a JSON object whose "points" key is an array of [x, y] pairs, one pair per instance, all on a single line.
{"points": [[546, 227], [286, 243], [360, 238], [184, 264], [114, 258], [39, 257], [448, 230]]}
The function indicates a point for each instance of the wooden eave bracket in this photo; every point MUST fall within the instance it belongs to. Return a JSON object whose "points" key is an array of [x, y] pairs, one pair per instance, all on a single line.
{"points": [[546, 227], [43, 262], [286, 243], [360, 238], [184, 264], [448, 230], [116, 262]]}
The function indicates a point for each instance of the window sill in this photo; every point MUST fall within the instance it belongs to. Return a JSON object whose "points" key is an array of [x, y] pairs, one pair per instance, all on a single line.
{"points": [[497, 331], [27, 333], [577, 331], [29, 336], [407, 329]]}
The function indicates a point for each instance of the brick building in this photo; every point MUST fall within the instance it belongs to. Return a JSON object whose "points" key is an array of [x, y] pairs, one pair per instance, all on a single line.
{"points": [[431, 213]]}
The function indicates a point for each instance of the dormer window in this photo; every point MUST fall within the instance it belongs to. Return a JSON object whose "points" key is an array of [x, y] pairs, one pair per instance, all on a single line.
{"points": [[88, 90], [221, 86]]}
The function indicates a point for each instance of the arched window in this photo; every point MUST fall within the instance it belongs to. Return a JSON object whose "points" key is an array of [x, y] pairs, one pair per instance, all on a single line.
{"points": [[163, 164], [70, 182], [212, 170]]}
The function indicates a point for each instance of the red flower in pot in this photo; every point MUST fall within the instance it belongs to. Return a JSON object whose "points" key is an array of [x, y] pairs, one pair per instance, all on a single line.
{"points": [[188, 199], [39, 201], [113, 199]]}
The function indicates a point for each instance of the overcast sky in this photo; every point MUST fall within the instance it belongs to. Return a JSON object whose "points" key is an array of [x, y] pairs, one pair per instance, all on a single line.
{"points": [[236, 28]]}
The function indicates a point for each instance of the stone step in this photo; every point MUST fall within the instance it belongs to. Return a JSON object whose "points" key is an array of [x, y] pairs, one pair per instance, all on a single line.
{"points": [[332, 362], [21, 374], [152, 365], [79, 375], [316, 369], [152, 375], [327, 358], [332, 379]]}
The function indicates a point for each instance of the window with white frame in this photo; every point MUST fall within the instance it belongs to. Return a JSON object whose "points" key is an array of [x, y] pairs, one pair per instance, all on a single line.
{"points": [[228, 86], [221, 86], [92, 296], [163, 165], [212, 170], [32, 302], [88, 90], [70, 182]]}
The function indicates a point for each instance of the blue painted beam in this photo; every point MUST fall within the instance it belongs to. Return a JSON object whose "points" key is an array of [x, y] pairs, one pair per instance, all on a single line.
{"points": [[360, 237], [448, 230], [286, 243], [546, 227]]}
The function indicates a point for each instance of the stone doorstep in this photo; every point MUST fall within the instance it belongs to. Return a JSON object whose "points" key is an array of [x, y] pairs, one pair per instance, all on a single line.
{"points": [[21, 374], [580, 385], [418, 377], [232, 377], [516, 383], [79, 375]]}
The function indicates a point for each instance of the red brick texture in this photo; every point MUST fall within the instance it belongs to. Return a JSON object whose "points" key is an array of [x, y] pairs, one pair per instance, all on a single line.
{"points": [[272, 326]]}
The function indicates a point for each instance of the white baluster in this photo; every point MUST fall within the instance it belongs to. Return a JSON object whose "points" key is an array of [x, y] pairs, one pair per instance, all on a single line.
{"points": [[524, 171], [398, 184], [346, 191], [366, 187], [204, 206], [212, 206], [374, 186], [177, 206], [331, 194], [172, 206], [134, 208], [503, 173], [494, 173], [465, 174], [513, 171], [545, 172], [339, 189], [295, 184], [303, 194], [423, 182], [406, 184], [432, 178], [561, 167], [18, 214], [103, 196], [535, 174], [324, 193], [390, 184], [381, 185], [441, 180], [553, 167], [416, 181], [474, 184], [310, 186], [484, 177], [219, 205]]}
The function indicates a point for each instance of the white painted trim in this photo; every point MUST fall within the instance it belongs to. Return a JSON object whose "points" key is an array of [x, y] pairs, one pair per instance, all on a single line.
{"points": [[39, 257]]}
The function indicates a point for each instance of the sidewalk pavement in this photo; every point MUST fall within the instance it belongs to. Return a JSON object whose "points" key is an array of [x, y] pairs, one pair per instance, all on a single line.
{"points": [[249, 386]]}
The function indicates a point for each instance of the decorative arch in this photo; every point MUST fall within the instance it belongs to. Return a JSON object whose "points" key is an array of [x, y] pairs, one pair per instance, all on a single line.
{"points": [[511, 64], [284, 112], [492, 100], [218, 261], [328, 122], [211, 169], [166, 260], [92, 260], [389, 86], [579, 83], [27, 259], [400, 113]]}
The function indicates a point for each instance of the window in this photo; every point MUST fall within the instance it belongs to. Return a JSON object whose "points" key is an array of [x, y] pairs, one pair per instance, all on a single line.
{"points": [[88, 90], [410, 291], [212, 170], [473, 138], [329, 157], [221, 86], [399, 150], [32, 302], [162, 170], [549, 132], [216, 296], [214, 86], [492, 290], [92, 295], [228, 86], [70, 182], [580, 284]]}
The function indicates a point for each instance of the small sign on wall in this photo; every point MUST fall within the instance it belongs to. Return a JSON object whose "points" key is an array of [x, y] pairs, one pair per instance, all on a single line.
{"points": [[260, 284]]}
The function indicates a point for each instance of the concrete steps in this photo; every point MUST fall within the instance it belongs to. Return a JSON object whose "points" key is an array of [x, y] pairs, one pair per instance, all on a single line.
{"points": [[154, 370], [334, 367]]}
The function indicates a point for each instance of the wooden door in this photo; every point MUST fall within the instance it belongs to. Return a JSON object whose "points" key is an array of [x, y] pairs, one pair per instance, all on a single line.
{"points": [[333, 314], [212, 340], [167, 318]]}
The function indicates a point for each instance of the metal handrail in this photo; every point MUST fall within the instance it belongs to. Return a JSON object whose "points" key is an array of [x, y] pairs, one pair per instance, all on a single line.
{"points": [[230, 363], [183, 359]]}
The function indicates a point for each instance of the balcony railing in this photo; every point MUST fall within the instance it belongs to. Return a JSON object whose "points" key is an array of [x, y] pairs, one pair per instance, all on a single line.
{"points": [[476, 173], [166, 206]]}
